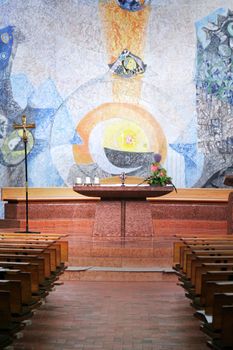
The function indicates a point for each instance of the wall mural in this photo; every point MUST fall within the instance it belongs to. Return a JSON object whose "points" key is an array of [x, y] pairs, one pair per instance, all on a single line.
{"points": [[215, 95], [109, 83]]}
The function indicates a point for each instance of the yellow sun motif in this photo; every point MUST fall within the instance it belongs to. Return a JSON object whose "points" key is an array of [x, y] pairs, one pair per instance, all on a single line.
{"points": [[124, 135]]}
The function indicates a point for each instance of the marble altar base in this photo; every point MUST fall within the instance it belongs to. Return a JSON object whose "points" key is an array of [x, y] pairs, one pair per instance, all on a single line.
{"points": [[123, 219]]}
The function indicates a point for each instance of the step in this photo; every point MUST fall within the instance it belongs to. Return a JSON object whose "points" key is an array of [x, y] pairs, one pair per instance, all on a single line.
{"points": [[127, 274], [58, 225], [161, 226], [122, 262]]}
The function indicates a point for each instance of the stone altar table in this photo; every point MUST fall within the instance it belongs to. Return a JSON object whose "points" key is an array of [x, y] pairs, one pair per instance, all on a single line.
{"points": [[123, 211]]}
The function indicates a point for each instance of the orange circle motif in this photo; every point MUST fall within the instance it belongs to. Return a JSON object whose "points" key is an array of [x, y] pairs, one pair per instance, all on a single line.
{"points": [[134, 114]]}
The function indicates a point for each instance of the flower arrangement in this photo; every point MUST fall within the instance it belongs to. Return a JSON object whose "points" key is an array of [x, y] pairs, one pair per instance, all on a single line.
{"points": [[158, 175]]}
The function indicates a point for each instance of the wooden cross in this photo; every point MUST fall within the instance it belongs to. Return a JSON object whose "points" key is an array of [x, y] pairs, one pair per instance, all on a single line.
{"points": [[24, 126]]}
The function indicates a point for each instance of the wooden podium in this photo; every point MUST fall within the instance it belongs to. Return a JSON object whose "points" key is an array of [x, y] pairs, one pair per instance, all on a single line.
{"points": [[123, 211]]}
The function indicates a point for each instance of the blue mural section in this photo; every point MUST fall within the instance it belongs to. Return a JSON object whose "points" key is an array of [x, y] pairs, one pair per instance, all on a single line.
{"points": [[187, 146], [214, 84], [18, 96], [215, 55], [132, 5], [6, 43], [190, 154], [1, 210]]}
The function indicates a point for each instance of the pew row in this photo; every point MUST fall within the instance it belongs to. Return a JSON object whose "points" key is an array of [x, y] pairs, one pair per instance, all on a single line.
{"points": [[204, 266], [30, 266]]}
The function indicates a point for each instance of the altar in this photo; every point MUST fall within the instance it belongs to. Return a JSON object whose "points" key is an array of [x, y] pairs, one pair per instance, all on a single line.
{"points": [[123, 211]]}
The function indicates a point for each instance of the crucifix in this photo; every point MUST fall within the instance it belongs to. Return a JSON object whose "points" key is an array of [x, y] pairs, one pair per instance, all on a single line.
{"points": [[24, 126]]}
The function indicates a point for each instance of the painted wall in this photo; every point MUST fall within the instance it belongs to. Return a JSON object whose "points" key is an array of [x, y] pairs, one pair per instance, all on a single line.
{"points": [[108, 83]]}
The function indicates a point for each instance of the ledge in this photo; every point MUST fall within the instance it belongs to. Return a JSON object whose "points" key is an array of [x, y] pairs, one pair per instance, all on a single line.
{"points": [[67, 194]]}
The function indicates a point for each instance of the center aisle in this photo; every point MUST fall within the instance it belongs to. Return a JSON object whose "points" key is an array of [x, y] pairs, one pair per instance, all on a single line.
{"points": [[114, 316]]}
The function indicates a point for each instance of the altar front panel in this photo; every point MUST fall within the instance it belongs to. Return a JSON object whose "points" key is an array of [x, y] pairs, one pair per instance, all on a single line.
{"points": [[123, 219]]}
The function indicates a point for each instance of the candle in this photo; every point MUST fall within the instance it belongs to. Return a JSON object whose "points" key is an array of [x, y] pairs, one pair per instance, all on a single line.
{"points": [[88, 180], [78, 180], [96, 180]]}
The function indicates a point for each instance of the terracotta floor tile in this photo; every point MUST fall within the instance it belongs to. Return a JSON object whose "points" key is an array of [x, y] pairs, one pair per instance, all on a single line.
{"points": [[114, 316]]}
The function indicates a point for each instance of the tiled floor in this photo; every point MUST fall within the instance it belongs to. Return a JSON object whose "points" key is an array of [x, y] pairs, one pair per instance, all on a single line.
{"points": [[114, 316]]}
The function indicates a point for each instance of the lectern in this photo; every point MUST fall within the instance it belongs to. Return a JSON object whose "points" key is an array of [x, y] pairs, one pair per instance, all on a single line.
{"points": [[123, 211]]}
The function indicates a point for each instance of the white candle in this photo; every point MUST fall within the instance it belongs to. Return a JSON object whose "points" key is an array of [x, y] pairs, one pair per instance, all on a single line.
{"points": [[88, 180], [96, 180], [78, 180]]}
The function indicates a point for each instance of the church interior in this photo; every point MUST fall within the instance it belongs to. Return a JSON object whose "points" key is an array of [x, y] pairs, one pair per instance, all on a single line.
{"points": [[116, 174]]}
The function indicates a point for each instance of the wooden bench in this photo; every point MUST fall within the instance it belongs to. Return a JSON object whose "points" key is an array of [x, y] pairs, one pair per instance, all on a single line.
{"points": [[54, 240], [227, 326], [8, 327], [24, 278], [34, 259], [32, 268], [190, 256], [206, 298], [205, 269], [29, 267], [194, 260], [212, 325], [40, 249], [37, 252], [18, 311], [183, 242]]}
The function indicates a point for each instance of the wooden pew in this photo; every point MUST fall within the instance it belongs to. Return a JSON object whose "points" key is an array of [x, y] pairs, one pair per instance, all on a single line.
{"points": [[197, 258], [29, 266], [212, 326], [214, 250], [19, 312], [24, 278], [216, 253], [7, 325], [212, 276], [196, 261], [227, 326], [35, 252], [54, 240], [205, 268], [186, 250], [39, 248], [5, 340], [178, 246], [40, 244], [225, 339], [32, 268], [207, 299], [34, 259], [5, 309]]}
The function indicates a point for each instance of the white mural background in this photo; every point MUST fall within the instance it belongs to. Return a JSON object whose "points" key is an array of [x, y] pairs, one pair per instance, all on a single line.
{"points": [[57, 71]]}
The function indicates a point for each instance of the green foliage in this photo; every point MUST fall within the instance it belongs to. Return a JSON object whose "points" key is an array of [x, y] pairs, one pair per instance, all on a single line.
{"points": [[158, 175]]}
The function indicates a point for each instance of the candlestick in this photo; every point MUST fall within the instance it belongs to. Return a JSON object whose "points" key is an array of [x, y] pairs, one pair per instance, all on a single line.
{"points": [[96, 180], [78, 181], [88, 180]]}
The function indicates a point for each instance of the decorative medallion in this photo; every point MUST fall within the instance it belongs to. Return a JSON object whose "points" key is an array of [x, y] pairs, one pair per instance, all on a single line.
{"points": [[128, 65]]}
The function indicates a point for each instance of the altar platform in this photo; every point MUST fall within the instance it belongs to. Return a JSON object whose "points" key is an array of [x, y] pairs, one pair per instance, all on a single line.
{"points": [[61, 210]]}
